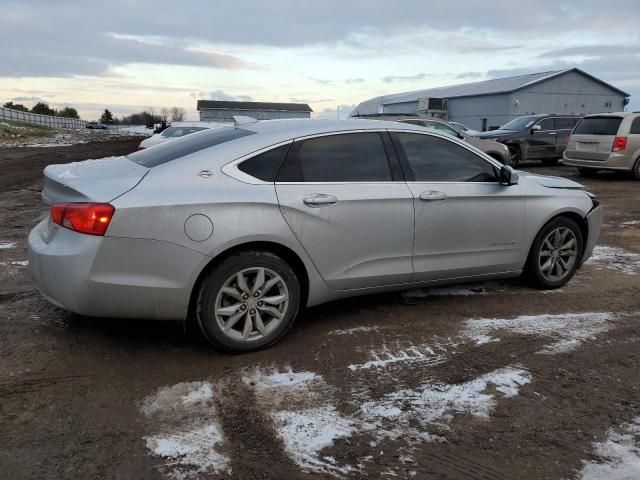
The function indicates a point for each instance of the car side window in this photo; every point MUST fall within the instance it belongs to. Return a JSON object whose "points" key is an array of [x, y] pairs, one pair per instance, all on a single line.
{"points": [[433, 159], [564, 123], [547, 124], [265, 166], [635, 127], [441, 127], [352, 157]]}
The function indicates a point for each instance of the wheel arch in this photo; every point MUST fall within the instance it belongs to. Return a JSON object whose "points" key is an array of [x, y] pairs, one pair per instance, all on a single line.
{"points": [[282, 251], [574, 215]]}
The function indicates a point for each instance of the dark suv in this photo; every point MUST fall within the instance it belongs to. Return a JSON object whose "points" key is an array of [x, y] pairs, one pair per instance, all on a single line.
{"points": [[542, 137]]}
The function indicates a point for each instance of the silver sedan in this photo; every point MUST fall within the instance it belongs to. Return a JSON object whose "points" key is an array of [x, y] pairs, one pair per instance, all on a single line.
{"points": [[242, 226]]}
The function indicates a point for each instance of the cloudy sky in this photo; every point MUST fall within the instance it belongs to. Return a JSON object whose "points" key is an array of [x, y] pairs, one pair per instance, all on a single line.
{"points": [[129, 55]]}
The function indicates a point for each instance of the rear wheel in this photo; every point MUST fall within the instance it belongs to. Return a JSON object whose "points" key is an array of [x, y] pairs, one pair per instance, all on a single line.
{"points": [[248, 302], [550, 161], [555, 254], [636, 170], [587, 172]]}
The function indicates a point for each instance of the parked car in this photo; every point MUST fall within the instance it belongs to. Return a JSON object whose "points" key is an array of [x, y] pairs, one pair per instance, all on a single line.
{"points": [[244, 226], [463, 128], [608, 141], [96, 126], [176, 130], [539, 137], [495, 150]]}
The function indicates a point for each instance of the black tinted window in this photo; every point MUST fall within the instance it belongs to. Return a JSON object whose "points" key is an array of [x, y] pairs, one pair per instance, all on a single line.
{"points": [[266, 165], [354, 157], [433, 159], [598, 126], [635, 127], [564, 123], [186, 145], [547, 124]]}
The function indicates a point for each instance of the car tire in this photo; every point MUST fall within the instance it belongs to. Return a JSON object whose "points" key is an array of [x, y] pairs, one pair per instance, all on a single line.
{"points": [[587, 172], [554, 258], [516, 155], [234, 312], [550, 161], [635, 173]]}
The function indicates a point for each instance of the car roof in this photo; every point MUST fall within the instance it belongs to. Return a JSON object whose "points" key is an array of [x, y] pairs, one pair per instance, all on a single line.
{"points": [[611, 114], [292, 128]]}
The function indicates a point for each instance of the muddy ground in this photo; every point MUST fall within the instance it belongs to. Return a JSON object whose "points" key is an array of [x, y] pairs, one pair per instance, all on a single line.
{"points": [[486, 381]]}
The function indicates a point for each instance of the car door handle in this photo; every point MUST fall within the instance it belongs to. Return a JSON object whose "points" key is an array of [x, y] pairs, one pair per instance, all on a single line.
{"points": [[319, 199], [432, 196]]}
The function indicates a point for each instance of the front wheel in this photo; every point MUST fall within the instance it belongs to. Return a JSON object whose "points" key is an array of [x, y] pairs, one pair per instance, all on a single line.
{"points": [[516, 155], [248, 301], [555, 254]]}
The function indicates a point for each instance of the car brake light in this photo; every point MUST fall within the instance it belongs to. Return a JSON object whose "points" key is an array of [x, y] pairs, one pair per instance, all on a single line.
{"points": [[87, 218], [619, 144]]}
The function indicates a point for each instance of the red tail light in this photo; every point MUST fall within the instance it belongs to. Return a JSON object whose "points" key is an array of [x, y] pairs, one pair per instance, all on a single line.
{"points": [[619, 144], [88, 218], [139, 148]]}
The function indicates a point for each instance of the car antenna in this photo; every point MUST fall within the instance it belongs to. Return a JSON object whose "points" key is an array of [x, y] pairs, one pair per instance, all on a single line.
{"points": [[241, 120]]}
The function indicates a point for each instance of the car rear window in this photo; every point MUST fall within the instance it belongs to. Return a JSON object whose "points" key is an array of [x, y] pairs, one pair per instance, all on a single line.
{"points": [[598, 126], [169, 151], [181, 131]]}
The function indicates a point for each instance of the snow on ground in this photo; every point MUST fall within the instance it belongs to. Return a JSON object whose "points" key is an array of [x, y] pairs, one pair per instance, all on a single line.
{"points": [[65, 137], [615, 258], [631, 223], [620, 453], [568, 330], [190, 436], [5, 245], [354, 330], [385, 357]]}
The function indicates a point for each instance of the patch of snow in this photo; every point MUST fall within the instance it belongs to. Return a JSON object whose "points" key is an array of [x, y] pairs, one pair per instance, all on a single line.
{"points": [[631, 223], [568, 330], [615, 258], [620, 453], [354, 330], [4, 245], [306, 432], [437, 403], [16, 263], [191, 453], [190, 436], [413, 354]]}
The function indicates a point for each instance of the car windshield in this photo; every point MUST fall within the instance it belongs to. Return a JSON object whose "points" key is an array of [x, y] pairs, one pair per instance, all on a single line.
{"points": [[173, 132], [519, 123], [168, 151]]}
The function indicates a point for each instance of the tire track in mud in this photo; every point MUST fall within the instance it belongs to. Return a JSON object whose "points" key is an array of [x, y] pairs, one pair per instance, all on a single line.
{"points": [[250, 436]]}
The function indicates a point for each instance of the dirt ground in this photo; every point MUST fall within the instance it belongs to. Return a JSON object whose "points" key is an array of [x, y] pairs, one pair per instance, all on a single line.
{"points": [[484, 381]]}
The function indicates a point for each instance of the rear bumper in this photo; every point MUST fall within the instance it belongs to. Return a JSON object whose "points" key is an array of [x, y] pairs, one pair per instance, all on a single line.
{"points": [[113, 277], [594, 221], [615, 161]]}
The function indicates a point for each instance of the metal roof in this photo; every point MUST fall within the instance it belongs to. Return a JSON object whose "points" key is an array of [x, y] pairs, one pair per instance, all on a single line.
{"points": [[228, 105], [486, 87]]}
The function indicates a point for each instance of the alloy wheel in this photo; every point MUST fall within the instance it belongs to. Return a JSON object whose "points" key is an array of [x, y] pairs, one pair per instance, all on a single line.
{"points": [[558, 254], [251, 304]]}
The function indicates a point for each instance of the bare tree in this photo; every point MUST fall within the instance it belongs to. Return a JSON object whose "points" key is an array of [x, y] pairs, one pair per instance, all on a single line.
{"points": [[165, 114], [177, 114]]}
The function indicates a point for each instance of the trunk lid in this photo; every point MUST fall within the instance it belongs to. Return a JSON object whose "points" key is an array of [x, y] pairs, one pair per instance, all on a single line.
{"points": [[593, 137], [91, 180]]}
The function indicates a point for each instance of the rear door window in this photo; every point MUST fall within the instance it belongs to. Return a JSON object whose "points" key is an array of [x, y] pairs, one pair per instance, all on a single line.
{"points": [[564, 123], [180, 147], [598, 126], [353, 157]]}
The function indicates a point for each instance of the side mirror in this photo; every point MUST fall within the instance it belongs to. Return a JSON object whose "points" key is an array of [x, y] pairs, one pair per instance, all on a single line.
{"points": [[508, 176], [536, 128]]}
